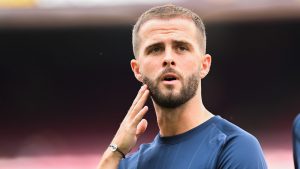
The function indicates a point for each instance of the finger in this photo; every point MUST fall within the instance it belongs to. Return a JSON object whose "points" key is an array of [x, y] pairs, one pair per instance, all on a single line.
{"points": [[140, 116], [141, 127], [138, 96], [139, 105]]}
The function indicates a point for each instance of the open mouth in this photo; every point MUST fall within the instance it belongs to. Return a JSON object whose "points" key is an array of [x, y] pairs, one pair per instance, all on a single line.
{"points": [[169, 77]]}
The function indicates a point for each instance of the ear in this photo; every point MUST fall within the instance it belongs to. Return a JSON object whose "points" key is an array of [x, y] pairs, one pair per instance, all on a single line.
{"points": [[135, 67], [205, 65]]}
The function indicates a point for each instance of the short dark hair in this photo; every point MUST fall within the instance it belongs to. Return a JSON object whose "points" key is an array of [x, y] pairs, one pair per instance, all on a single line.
{"points": [[166, 12]]}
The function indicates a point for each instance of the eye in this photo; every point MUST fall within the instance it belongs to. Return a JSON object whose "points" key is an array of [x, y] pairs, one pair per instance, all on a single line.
{"points": [[155, 50], [182, 48]]}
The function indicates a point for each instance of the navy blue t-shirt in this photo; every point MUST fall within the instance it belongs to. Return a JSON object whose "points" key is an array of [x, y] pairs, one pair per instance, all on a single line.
{"points": [[215, 144], [296, 141]]}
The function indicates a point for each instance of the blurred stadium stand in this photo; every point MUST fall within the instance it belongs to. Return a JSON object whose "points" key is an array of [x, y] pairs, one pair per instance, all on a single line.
{"points": [[66, 81]]}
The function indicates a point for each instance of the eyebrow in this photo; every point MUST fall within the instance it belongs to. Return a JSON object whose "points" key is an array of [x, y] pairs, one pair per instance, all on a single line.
{"points": [[174, 42], [182, 42]]}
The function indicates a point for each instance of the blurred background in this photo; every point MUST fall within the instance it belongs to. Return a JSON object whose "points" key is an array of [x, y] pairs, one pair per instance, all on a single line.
{"points": [[66, 82]]}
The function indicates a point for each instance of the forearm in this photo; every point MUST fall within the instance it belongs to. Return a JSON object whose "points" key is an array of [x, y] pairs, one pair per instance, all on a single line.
{"points": [[109, 160], [130, 129]]}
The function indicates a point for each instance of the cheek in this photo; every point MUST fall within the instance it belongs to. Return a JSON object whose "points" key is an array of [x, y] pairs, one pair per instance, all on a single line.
{"points": [[149, 67], [190, 65]]}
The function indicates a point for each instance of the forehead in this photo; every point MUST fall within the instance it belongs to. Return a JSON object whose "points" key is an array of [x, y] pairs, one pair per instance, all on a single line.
{"points": [[155, 28]]}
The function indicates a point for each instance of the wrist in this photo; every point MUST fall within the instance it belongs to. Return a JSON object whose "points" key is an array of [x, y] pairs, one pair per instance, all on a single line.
{"points": [[111, 156], [115, 149], [109, 159]]}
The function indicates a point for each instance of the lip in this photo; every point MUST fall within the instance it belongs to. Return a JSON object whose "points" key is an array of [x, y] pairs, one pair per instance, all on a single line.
{"points": [[169, 75], [169, 83]]}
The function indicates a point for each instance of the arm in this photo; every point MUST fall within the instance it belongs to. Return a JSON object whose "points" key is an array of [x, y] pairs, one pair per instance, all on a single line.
{"points": [[130, 129]]}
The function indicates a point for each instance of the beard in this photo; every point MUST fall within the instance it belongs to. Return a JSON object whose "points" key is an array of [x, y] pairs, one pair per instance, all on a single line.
{"points": [[171, 99]]}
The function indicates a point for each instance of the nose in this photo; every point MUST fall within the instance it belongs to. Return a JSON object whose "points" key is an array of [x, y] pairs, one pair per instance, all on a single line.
{"points": [[168, 59]]}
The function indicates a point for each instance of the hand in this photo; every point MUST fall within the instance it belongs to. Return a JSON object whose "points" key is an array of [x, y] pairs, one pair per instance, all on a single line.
{"points": [[133, 124]]}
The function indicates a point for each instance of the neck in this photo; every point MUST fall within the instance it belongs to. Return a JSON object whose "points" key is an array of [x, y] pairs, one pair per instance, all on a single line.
{"points": [[174, 121]]}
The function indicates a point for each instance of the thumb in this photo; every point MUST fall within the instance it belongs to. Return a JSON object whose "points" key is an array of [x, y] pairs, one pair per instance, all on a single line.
{"points": [[141, 127]]}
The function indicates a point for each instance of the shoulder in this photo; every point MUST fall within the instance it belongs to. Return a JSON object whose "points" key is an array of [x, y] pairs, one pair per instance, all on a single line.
{"points": [[237, 139], [240, 148], [228, 128]]}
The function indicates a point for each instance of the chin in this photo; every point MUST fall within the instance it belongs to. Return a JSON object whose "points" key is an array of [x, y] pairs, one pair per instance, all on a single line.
{"points": [[170, 92], [175, 87]]}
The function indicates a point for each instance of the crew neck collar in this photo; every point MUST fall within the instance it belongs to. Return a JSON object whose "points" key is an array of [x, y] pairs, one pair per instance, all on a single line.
{"points": [[185, 136]]}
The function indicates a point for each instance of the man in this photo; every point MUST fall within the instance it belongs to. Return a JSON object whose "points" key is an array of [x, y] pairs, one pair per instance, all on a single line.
{"points": [[296, 141], [169, 44]]}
